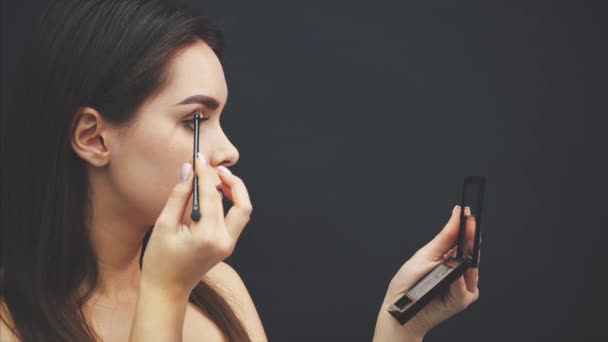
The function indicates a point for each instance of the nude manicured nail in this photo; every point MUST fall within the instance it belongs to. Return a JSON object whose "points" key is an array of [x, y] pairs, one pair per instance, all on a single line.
{"points": [[224, 170], [203, 158], [186, 171]]}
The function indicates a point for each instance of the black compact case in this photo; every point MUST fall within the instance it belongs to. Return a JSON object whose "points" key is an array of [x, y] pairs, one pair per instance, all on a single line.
{"points": [[452, 267]]}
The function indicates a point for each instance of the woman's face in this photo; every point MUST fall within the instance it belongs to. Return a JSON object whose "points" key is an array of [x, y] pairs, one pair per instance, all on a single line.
{"points": [[147, 156]]}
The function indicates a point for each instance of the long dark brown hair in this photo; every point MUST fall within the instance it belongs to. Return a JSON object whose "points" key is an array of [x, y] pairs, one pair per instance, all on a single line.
{"points": [[110, 55]]}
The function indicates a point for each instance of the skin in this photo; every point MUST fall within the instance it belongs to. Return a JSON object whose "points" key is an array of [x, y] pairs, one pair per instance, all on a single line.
{"points": [[132, 170], [460, 294]]}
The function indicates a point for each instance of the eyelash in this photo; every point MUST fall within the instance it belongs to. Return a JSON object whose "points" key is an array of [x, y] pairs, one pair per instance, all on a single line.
{"points": [[190, 123]]}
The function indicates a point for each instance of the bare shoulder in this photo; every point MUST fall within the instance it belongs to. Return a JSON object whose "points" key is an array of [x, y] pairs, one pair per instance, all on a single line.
{"points": [[226, 279], [6, 333]]}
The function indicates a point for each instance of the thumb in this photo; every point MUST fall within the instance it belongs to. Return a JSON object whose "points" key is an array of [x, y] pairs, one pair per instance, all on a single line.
{"points": [[173, 211], [446, 239]]}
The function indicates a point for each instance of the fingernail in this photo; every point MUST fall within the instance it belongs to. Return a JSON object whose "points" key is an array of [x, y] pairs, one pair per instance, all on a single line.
{"points": [[456, 209], [224, 170], [186, 171], [202, 158]]}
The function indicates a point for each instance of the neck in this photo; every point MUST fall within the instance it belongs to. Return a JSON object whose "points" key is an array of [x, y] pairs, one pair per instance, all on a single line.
{"points": [[116, 239]]}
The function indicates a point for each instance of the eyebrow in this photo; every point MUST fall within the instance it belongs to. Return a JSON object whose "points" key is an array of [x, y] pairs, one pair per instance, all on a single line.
{"points": [[205, 100]]}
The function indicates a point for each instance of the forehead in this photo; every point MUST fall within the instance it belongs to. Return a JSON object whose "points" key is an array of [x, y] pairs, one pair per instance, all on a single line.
{"points": [[194, 70]]}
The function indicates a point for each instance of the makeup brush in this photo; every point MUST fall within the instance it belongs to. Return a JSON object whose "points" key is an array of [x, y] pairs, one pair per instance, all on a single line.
{"points": [[196, 213]]}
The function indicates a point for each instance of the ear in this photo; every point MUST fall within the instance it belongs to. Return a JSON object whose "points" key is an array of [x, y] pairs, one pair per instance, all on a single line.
{"points": [[88, 139]]}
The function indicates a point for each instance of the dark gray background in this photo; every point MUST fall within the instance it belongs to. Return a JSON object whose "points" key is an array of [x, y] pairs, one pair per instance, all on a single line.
{"points": [[357, 121]]}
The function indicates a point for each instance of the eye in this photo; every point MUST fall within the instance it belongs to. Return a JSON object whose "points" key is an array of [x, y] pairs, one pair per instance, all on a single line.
{"points": [[190, 123]]}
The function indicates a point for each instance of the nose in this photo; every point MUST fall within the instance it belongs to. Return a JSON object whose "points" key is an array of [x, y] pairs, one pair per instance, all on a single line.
{"points": [[224, 153]]}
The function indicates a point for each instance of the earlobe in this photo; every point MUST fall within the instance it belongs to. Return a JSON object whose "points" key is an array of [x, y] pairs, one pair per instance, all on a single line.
{"points": [[88, 138]]}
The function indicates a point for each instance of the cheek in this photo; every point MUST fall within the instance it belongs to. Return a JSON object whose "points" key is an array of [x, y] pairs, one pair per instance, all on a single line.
{"points": [[149, 166]]}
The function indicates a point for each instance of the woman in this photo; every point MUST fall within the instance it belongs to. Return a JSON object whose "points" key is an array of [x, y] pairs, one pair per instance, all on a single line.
{"points": [[99, 127]]}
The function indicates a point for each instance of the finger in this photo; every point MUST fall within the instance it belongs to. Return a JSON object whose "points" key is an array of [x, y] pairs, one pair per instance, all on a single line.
{"points": [[460, 296], [446, 238], [451, 253], [475, 295], [226, 190], [186, 219], [458, 292], [210, 201], [171, 214], [471, 275], [469, 230], [240, 212], [470, 278]]}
